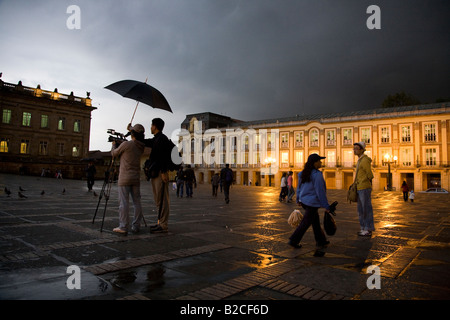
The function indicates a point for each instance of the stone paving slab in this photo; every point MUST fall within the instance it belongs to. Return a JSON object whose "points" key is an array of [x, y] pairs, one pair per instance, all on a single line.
{"points": [[215, 251]]}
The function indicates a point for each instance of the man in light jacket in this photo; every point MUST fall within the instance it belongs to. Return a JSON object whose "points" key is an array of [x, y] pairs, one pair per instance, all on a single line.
{"points": [[129, 178], [364, 188]]}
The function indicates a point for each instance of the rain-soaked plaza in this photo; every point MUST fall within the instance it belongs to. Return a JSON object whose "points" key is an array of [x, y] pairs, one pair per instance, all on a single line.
{"points": [[214, 250]]}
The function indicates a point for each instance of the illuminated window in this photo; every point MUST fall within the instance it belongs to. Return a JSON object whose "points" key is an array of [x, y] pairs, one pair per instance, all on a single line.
{"points": [[285, 140], [348, 136], [365, 135], [4, 145], [331, 158], [26, 119], [77, 126], [44, 121], [406, 156], [348, 158], [25, 146], [298, 158], [331, 137], [6, 116], [314, 138], [62, 123], [76, 151], [430, 132], [285, 159], [385, 135], [406, 133], [430, 156], [299, 139]]}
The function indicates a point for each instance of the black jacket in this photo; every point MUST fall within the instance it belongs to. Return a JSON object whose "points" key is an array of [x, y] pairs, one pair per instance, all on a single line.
{"points": [[159, 156]]}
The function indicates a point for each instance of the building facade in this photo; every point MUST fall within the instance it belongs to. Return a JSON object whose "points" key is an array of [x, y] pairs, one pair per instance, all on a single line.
{"points": [[43, 130], [406, 144]]}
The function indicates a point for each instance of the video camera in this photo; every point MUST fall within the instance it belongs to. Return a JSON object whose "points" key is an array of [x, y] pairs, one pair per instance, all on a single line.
{"points": [[116, 137]]}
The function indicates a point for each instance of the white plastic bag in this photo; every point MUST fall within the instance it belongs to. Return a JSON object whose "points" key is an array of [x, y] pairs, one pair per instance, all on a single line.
{"points": [[295, 218]]}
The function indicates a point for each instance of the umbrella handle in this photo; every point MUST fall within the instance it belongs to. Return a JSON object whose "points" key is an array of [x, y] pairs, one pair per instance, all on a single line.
{"points": [[131, 121], [136, 105]]}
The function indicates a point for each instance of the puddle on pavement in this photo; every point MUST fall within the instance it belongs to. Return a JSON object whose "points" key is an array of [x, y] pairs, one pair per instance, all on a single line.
{"points": [[49, 283], [261, 260], [147, 279]]}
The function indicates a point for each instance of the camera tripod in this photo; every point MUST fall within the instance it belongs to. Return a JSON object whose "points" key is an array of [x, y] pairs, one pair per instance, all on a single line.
{"points": [[106, 191]]}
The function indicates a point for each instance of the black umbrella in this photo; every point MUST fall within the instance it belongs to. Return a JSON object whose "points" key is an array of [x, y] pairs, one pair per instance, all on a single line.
{"points": [[141, 92]]}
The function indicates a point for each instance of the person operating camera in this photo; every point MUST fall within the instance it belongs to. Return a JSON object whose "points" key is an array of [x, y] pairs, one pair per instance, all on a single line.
{"points": [[129, 178]]}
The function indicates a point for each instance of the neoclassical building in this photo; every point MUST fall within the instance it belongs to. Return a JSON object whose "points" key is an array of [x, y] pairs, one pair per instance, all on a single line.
{"points": [[43, 129], [406, 144]]}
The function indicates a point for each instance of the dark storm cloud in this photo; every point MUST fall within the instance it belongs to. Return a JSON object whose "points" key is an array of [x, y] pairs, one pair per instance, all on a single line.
{"points": [[249, 59]]}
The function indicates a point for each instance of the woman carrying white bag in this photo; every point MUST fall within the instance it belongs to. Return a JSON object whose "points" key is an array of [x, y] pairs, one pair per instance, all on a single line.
{"points": [[311, 195]]}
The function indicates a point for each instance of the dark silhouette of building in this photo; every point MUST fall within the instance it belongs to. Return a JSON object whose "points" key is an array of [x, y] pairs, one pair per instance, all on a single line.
{"points": [[43, 131]]}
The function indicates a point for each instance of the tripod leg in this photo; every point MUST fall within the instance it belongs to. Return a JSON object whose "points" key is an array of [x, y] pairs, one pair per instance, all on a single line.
{"points": [[108, 192], [145, 223], [100, 197], [104, 212]]}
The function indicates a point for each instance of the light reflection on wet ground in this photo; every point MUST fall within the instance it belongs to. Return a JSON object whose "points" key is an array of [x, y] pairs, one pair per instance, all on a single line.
{"points": [[411, 242]]}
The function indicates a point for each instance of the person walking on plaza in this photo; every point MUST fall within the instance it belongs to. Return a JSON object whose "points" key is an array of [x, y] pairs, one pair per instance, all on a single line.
{"points": [[411, 195], [226, 176], [159, 160], [311, 195], [190, 181], [215, 184], [291, 190], [284, 189], [181, 177], [90, 175], [405, 190], [129, 178], [363, 180]]}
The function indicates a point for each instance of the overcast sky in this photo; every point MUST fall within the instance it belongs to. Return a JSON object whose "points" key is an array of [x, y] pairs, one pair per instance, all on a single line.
{"points": [[248, 59]]}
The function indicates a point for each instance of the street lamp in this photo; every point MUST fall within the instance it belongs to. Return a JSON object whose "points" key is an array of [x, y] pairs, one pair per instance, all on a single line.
{"points": [[388, 159], [269, 162]]}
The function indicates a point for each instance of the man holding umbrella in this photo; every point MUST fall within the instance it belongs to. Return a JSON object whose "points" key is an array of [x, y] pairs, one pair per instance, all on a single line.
{"points": [[159, 174]]}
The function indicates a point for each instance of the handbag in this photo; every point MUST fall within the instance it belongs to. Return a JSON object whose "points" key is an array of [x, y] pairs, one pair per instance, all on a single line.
{"points": [[150, 169], [295, 218], [329, 224], [352, 193]]}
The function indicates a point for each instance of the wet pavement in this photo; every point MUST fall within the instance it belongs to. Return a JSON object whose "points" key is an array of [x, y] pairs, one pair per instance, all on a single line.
{"points": [[214, 250]]}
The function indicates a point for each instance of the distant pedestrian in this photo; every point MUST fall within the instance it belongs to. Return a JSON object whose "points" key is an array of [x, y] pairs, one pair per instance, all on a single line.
{"points": [[290, 186], [363, 179], [411, 195], [405, 190], [311, 195], [90, 175], [181, 179], [215, 184], [284, 189], [191, 182], [226, 176]]}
